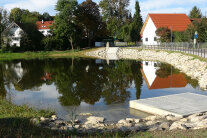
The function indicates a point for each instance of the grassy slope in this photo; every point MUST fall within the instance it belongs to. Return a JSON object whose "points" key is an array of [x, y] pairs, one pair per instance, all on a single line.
{"points": [[48, 54]]}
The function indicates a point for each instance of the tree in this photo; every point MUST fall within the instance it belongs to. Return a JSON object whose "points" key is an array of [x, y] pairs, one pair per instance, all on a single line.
{"points": [[65, 21], [164, 34], [114, 13], [195, 13], [15, 15], [46, 17], [136, 24], [3, 23], [89, 19]]}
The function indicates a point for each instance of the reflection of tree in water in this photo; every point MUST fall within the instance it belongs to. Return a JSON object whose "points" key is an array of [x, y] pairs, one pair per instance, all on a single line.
{"points": [[74, 82], [166, 70], [118, 79], [2, 87], [138, 80]]}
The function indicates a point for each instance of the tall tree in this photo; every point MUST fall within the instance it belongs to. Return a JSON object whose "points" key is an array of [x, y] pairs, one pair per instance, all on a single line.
{"points": [[89, 19], [3, 23], [195, 13], [137, 23], [15, 15], [65, 21], [114, 14]]}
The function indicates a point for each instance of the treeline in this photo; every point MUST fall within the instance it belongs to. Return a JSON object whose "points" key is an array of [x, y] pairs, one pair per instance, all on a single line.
{"points": [[77, 25], [199, 24]]}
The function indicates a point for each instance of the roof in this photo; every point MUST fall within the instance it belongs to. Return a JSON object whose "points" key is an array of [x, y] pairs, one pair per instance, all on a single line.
{"points": [[44, 24], [172, 81], [178, 22], [10, 25]]}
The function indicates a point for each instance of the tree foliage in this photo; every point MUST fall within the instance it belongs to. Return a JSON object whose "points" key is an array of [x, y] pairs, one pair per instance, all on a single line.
{"points": [[136, 24], [114, 13], [195, 12], [89, 20], [65, 22], [164, 34]]}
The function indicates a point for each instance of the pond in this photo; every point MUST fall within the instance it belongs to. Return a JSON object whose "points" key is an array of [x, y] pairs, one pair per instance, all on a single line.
{"points": [[90, 86]]}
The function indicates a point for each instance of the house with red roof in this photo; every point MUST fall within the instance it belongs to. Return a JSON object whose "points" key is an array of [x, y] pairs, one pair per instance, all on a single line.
{"points": [[175, 22], [44, 27]]}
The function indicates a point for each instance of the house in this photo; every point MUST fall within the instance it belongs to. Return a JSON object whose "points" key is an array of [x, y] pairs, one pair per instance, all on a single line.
{"points": [[12, 34], [153, 81], [175, 22], [44, 27]]}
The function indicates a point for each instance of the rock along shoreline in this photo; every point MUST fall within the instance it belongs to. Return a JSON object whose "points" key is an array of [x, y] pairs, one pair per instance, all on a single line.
{"points": [[95, 124], [192, 67]]}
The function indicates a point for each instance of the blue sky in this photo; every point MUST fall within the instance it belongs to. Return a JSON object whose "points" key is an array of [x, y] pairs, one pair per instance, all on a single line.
{"points": [[147, 6]]}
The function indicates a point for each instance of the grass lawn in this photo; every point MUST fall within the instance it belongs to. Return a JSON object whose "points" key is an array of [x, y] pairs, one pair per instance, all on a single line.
{"points": [[45, 54]]}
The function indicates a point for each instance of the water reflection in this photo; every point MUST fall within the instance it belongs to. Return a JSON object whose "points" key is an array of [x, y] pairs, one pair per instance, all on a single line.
{"points": [[160, 76], [81, 83]]}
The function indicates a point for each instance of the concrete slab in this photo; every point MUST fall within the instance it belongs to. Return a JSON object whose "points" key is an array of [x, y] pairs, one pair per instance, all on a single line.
{"points": [[180, 105]]}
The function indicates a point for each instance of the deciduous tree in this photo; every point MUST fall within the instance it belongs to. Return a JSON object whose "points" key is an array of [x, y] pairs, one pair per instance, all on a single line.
{"points": [[65, 21]]}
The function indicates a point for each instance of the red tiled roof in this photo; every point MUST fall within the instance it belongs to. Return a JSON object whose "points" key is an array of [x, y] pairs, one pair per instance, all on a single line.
{"points": [[178, 22], [44, 25], [172, 81]]}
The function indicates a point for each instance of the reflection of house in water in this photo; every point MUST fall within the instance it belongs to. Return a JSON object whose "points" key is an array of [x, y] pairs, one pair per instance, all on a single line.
{"points": [[153, 81], [16, 71], [46, 77]]}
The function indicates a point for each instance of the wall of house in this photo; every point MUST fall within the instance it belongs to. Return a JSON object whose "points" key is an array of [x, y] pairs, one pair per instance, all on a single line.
{"points": [[150, 68], [15, 36], [149, 33], [45, 32]]}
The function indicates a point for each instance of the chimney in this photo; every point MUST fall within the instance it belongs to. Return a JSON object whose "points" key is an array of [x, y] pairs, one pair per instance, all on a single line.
{"points": [[42, 21]]}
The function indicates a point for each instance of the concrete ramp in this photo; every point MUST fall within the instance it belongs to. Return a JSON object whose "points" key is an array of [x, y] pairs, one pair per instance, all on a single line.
{"points": [[180, 105], [112, 50], [111, 53]]}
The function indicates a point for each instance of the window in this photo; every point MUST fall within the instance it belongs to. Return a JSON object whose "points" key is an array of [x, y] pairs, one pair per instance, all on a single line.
{"points": [[146, 39], [146, 63], [155, 38]]}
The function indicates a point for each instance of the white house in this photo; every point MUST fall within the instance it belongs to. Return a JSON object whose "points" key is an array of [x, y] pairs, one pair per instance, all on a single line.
{"points": [[13, 34], [175, 22], [44, 27], [149, 69]]}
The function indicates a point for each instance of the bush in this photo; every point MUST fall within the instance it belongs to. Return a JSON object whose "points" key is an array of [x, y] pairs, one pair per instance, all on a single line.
{"points": [[51, 43]]}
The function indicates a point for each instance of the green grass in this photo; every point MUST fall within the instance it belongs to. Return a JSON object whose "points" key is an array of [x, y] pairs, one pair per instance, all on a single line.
{"points": [[15, 122], [44, 54]]}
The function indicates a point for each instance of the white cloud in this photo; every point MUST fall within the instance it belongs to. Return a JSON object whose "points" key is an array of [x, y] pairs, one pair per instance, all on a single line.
{"points": [[32, 5]]}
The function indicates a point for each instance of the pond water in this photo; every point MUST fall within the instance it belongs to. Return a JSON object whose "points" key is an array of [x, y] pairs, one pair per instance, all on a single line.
{"points": [[90, 86]]}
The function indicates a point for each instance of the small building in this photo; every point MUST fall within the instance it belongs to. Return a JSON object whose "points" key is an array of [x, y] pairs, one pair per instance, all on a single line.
{"points": [[44, 27], [12, 34], [175, 22]]}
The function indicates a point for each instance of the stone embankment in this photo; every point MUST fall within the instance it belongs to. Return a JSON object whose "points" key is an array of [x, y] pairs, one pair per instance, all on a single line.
{"points": [[189, 65], [95, 124]]}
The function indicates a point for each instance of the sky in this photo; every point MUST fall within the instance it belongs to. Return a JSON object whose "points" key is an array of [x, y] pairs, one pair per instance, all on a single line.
{"points": [[147, 6]]}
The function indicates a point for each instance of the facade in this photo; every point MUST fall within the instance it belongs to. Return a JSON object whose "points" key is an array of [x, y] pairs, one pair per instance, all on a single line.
{"points": [[175, 22], [13, 34], [44, 27]]}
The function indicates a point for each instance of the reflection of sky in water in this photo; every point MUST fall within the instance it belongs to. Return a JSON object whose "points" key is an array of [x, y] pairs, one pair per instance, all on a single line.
{"points": [[46, 96]]}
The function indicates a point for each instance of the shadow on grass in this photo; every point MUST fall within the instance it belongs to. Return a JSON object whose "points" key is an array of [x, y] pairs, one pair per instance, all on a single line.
{"points": [[22, 127]]}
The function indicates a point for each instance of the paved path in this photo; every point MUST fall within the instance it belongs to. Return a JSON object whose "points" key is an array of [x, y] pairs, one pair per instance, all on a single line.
{"points": [[180, 105], [111, 53]]}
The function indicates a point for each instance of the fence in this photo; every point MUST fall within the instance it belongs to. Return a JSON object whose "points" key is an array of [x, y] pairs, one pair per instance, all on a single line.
{"points": [[200, 49]]}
